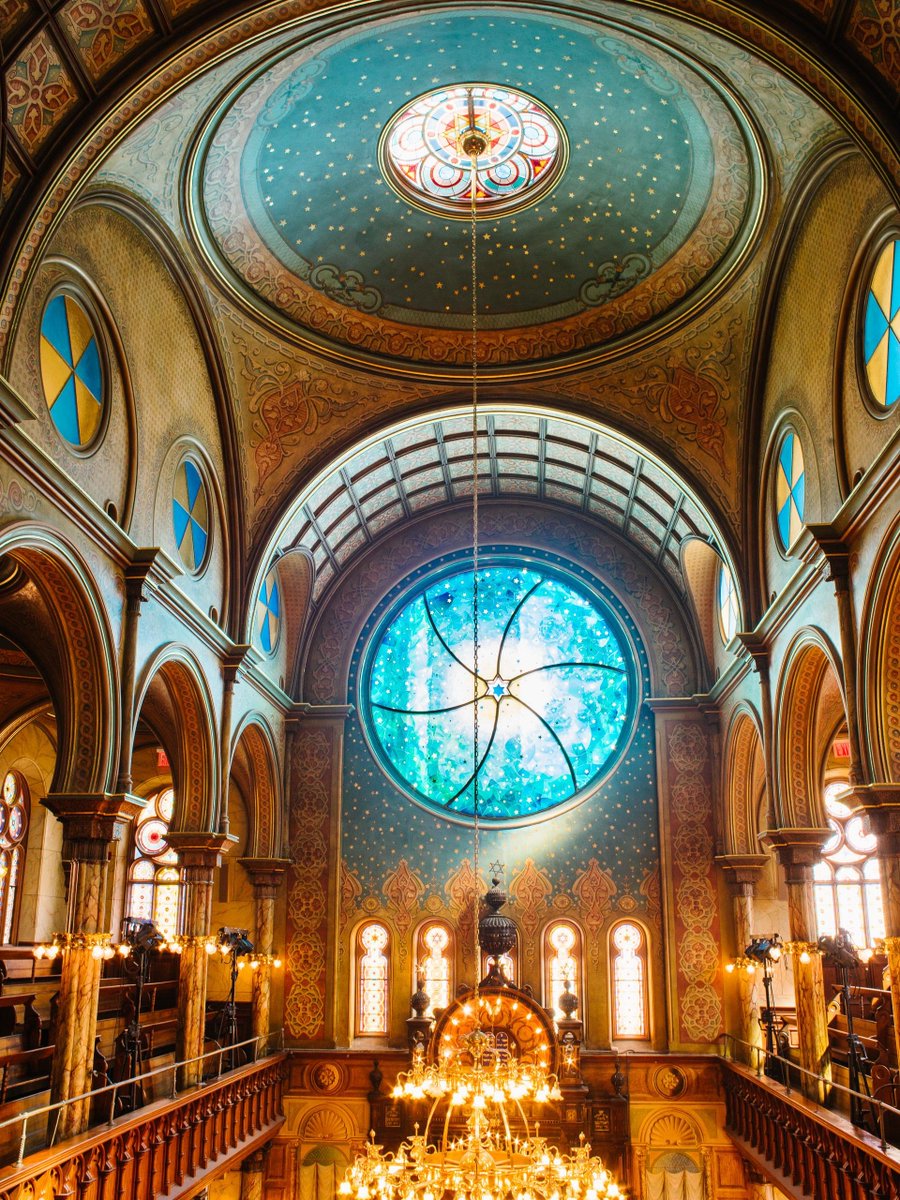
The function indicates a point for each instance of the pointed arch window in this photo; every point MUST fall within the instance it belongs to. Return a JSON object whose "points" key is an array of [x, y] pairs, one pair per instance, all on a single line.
{"points": [[434, 958], [15, 810], [154, 878], [372, 980], [628, 946], [562, 964], [847, 882]]}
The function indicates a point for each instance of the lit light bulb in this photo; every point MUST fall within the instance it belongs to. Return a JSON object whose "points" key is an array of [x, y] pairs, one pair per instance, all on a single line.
{"points": [[804, 956], [729, 967]]}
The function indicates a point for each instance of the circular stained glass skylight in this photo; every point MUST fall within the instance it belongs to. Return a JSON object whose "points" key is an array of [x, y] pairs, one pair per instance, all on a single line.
{"points": [[422, 157], [555, 688]]}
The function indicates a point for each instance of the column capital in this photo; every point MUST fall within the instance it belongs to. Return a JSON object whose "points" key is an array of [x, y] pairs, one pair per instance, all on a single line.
{"points": [[202, 850], [257, 1160], [741, 871], [265, 874], [797, 849], [822, 541], [881, 804], [90, 817], [757, 650]]}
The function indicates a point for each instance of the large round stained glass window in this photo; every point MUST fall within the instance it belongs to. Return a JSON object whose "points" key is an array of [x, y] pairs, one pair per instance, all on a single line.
{"points": [[555, 693], [423, 159]]}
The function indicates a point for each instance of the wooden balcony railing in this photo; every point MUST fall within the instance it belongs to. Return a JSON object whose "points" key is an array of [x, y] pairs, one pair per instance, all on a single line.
{"points": [[805, 1149], [163, 1150]]}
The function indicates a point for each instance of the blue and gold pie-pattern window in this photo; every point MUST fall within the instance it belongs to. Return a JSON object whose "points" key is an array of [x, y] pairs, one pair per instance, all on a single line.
{"points": [[71, 371], [267, 618], [191, 514], [881, 328], [554, 687], [729, 609], [790, 490]]}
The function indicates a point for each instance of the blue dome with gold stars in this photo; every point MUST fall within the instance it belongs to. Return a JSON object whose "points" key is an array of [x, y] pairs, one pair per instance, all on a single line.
{"points": [[648, 200]]}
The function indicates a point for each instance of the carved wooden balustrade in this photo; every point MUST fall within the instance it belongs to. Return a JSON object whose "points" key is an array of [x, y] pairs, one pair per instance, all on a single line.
{"points": [[167, 1149], [803, 1148]]}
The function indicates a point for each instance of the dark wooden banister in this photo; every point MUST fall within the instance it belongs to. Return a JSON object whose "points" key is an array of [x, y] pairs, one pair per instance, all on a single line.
{"points": [[165, 1148], [805, 1149]]}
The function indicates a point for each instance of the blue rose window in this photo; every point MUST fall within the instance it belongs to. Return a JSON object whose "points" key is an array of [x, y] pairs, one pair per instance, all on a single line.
{"points": [[555, 689]]}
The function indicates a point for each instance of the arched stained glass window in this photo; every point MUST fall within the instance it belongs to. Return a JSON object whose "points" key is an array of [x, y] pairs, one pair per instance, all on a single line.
{"points": [[435, 964], [790, 490], [554, 685], [729, 611], [14, 814], [154, 878], [629, 981], [562, 964], [881, 328], [423, 159], [372, 980], [847, 882]]}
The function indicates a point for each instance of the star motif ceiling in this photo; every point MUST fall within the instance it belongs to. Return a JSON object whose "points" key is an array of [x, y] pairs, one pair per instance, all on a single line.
{"points": [[294, 208]]}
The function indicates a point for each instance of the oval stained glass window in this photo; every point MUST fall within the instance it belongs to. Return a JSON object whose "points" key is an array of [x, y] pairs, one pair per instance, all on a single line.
{"points": [[190, 514], [790, 490], [267, 617], [881, 328], [423, 158], [729, 612], [71, 371], [555, 693]]}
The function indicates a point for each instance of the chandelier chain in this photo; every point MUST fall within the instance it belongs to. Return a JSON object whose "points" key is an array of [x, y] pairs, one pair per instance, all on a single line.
{"points": [[476, 731]]}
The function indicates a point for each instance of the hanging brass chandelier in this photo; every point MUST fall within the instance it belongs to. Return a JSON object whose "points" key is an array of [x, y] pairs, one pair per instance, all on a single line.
{"points": [[472, 1077]]}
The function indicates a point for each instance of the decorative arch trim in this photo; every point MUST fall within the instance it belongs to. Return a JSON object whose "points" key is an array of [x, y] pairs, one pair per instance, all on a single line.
{"points": [[196, 771], [810, 702], [88, 723], [743, 742], [256, 737]]}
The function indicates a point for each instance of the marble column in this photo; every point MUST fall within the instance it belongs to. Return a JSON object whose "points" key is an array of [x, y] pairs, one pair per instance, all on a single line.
{"points": [[881, 802], [199, 854], [265, 876], [798, 850], [253, 1171], [741, 873], [88, 822]]}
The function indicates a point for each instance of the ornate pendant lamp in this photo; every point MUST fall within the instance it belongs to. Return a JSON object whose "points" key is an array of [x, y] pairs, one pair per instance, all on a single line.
{"points": [[487, 1161]]}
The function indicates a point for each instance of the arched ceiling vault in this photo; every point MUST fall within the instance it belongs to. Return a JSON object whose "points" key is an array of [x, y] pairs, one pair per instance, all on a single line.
{"points": [[523, 454], [252, 133]]}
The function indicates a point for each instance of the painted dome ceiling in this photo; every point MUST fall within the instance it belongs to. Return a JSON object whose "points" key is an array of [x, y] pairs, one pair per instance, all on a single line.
{"points": [[654, 194]]}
